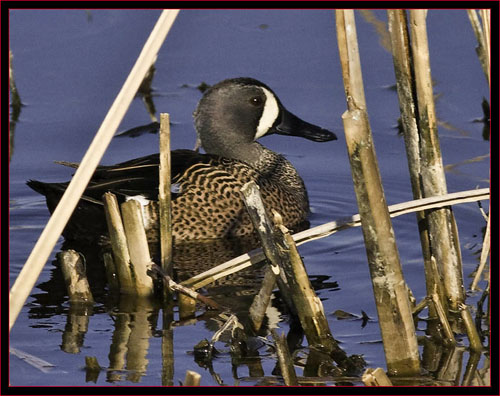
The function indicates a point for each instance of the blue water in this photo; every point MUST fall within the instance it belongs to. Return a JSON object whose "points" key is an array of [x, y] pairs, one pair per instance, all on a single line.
{"points": [[70, 64]]}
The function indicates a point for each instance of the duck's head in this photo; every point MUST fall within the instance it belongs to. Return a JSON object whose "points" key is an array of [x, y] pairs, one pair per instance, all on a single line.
{"points": [[236, 112]]}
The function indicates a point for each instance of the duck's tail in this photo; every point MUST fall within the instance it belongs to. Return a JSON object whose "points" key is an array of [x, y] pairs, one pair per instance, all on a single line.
{"points": [[46, 188]]}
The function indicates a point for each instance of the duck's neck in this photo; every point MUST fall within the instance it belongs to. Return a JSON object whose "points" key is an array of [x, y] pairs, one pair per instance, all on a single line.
{"points": [[271, 166]]}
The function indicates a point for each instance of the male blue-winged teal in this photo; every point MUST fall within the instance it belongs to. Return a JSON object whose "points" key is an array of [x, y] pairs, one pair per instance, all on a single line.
{"points": [[229, 119]]}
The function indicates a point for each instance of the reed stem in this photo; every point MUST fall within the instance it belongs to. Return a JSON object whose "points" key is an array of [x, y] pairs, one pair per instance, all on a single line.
{"points": [[401, 53], [138, 247], [119, 245], [164, 196], [393, 306], [445, 246]]}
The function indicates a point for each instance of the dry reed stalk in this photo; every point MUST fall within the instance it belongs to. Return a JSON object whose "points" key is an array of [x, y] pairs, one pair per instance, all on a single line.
{"points": [[75, 277], [445, 245], [187, 306], [284, 359], [309, 307], [55, 226], [405, 82], [448, 332], [138, 248], [420, 306], [393, 306], [375, 377], [261, 301], [291, 276], [192, 378], [471, 372], [474, 340], [164, 196], [184, 290], [119, 245], [263, 227]]}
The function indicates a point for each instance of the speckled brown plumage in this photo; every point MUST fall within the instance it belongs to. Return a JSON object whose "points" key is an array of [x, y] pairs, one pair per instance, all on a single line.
{"points": [[209, 204]]}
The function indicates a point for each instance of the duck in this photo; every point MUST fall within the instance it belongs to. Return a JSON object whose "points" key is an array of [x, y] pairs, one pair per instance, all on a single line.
{"points": [[206, 201]]}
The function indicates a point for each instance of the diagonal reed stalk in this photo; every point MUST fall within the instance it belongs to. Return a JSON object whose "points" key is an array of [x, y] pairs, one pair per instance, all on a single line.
{"points": [[55, 226]]}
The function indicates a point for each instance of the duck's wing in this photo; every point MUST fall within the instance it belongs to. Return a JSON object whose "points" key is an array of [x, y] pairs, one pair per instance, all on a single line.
{"points": [[135, 177]]}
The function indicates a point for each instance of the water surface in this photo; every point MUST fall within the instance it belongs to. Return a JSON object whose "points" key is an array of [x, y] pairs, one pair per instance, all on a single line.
{"points": [[70, 64]]}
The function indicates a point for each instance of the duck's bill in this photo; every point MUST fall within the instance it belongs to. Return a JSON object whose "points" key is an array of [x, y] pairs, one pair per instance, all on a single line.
{"points": [[292, 125]]}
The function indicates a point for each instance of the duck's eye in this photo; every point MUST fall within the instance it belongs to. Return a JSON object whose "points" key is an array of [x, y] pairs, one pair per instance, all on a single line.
{"points": [[256, 101]]}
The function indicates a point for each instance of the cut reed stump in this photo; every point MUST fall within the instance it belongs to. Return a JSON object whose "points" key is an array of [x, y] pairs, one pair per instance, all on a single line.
{"points": [[393, 306], [73, 269], [119, 246], [192, 378], [375, 377], [137, 242]]}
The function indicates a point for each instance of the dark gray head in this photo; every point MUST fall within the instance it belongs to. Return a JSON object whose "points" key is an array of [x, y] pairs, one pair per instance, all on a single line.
{"points": [[234, 113]]}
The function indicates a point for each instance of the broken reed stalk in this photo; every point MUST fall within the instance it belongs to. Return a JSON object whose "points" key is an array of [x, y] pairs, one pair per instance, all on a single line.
{"points": [[445, 244], [164, 196], [263, 227], [138, 248], [401, 53], [119, 245], [261, 300], [73, 269], [55, 226], [284, 359], [183, 289], [448, 332], [393, 306], [187, 306], [474, 339], [280, 249], [309, 307], [375, 377], [192, 378]]}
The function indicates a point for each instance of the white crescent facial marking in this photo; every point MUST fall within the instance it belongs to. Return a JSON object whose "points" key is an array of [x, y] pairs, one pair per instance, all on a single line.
{"points": [[269, 114]]}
